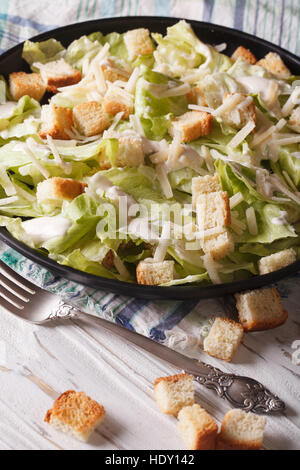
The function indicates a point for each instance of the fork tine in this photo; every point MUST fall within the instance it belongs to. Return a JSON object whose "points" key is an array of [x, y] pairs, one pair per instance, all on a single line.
{"points": [[13, 290], [4, 270], [11, 301]]}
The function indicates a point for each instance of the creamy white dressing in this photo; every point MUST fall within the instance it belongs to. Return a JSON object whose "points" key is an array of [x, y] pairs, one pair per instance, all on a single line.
{"points": [[7, 109], [266, 88], [45, 228], [281, 220]]}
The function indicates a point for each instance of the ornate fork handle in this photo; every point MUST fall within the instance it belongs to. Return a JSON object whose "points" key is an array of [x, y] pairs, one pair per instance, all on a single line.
{"points": [[241, 392]]}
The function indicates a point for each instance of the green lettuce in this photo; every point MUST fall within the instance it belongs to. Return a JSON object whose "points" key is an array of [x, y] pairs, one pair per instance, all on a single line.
{"points": [[44, 51]]}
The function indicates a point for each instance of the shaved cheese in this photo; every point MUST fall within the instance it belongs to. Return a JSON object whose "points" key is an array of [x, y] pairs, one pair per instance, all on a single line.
{"points": [[228, 105], [163, 179], [205, 109], [175, 149], [242, 134], [29, 149], [66, 167], [281, 187], [131, 84], [163, 244], [194, 77], [237, 225], [266, 135], [116, 121], [236, 200], [251, 221], [136, 124], [296, 154], [291, 102], [8, 200], [205, 153], [121, 268], [25, 194], [163, 91], [221, 47], [100, 79], [287, 141], [176, 91], [212, 269], [6, 183]]}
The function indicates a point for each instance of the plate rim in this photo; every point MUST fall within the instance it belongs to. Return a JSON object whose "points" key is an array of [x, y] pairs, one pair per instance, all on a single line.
{"points": [[182, 292]]}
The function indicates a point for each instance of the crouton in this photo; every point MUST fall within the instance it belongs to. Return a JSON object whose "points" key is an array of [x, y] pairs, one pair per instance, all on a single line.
{"points": [[196, 96], [55, 190], [192, 125], [138, 42], [55, 121], [112, 72], [213, 209], [274, 64], [260, 309], [245, 54], [31, 84], [241, 431], [130, 153], [243, 112], [197, 428], [117, 100], [219, 245], [58, 74], [279, 260], [76, 414], [174, 392], [154, 274], [294, 120], [204, 184], [90, 119], [223, 339]]}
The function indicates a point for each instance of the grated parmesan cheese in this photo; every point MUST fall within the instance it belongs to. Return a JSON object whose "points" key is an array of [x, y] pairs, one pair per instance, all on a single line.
{"points": [[242, 134], [236, 200], [131, 84], [29, 149], [205, 109], [8, 200], [212, 269], [66, 167], [251, 221], [163, 179]]}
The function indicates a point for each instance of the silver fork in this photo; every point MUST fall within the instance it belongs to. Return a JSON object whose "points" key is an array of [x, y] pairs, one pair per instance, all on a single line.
{"points": [[24, 300]]}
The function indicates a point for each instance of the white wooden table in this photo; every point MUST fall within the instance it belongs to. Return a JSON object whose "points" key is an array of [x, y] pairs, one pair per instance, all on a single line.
{"points": [[37, 363]]}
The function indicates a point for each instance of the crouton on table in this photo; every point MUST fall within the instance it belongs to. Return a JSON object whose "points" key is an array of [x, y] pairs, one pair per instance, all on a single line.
{"points": [[55, 190], [55, 121], [241, 431], [138, 42], [90, 119], [260, 309], [58, 74], [154, 274], [197, 428], [31, 84], [245, 54], [174, 392], [76, 414], [192, 125], [274, 64], [223, 339]]}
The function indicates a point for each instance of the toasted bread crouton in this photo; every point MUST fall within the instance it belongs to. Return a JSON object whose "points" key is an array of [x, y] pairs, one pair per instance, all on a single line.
{"points": [[154, 274], [245, 54], [274, 64], [112, 72], [213, 210], [130, 153], [243, 111], [31, 84], [192, 125], [294, 120], [204, 184], [223, 339], [55, 121], [197, 428], [55, 190], [76, 414], [117, 100], [90, 119], [174, 392], [279, 260], [58, 74], [196, 96], [218, 246], [260, 309], [241, 431], [138, 42]]}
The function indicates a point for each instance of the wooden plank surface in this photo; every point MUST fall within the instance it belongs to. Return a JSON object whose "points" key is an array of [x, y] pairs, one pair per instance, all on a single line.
{"points": [[38, 363]]}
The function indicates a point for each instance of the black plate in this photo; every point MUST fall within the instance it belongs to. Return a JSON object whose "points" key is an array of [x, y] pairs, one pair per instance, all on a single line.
{"points": [[11, 61]]}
